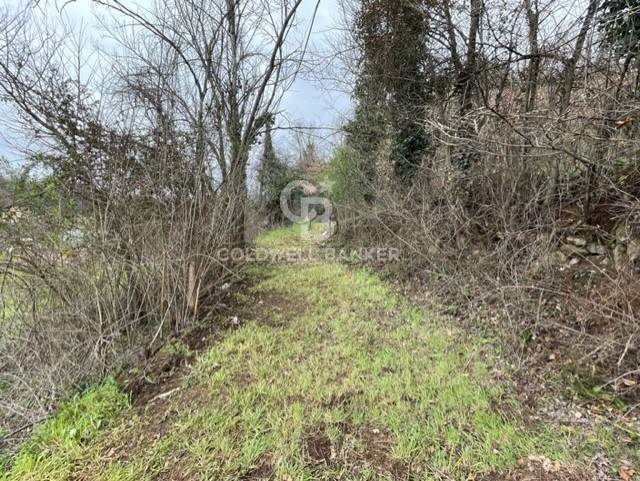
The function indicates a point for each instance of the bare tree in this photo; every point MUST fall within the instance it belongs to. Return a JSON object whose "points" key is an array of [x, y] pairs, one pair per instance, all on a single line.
{"points": [[535, 116], [150, 163], [234, 68]]}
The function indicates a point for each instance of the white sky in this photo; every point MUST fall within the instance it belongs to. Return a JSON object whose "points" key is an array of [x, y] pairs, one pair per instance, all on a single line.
{"points": [[305, 104]]}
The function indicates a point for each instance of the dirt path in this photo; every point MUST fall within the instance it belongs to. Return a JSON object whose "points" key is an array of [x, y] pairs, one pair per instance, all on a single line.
{"points": [[325, 374]]}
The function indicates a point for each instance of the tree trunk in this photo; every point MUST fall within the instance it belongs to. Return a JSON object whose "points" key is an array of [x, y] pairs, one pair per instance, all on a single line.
{"points": [[566, 88], [235, 198], [533, 16], [468, 76]]}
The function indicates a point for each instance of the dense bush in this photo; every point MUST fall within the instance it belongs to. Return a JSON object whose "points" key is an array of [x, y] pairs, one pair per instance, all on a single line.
{"points": [[148, 158], [523, 199]]}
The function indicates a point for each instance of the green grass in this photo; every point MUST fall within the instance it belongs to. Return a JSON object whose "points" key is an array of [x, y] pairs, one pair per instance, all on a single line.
{"points": [[56, 444], [331, 358], [289, 237], [392, 368]]}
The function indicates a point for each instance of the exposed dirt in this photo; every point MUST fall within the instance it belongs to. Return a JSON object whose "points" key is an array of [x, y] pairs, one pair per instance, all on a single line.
{"points": [[263, 471], [341, 399], [318, 448], [378, 446], [369, 448], [541, 469], [163, 370], [277, 304], [366, 448], [161, 374]]}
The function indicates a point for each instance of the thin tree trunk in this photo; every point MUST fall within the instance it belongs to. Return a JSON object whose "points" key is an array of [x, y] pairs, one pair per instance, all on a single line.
{"points": [[468, 75], [533, 17], [566, 89]]}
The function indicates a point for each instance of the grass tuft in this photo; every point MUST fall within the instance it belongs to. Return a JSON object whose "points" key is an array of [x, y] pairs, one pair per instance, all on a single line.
{"points": [[58, 442]]}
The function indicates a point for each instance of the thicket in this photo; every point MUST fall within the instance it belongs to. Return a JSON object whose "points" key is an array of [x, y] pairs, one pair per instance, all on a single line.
{"points": [[274, 174], [497, 144], [133, 176]]}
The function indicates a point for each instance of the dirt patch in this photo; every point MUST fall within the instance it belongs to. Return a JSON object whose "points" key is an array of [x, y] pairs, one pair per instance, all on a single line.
{"points": [[159, 375], [359, 450], [318, 447], [270, 308], [261, 472], [164, 369], [342, 399], [378, 446], [539, 468], [370, 448], [174, 468]]}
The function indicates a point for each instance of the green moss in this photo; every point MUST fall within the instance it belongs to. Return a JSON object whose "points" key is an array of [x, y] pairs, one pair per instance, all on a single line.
{"points": [[177, 348]]}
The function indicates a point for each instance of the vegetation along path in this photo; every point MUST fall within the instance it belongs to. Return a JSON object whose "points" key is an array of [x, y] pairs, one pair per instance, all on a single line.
{"points": [[326, 375]]}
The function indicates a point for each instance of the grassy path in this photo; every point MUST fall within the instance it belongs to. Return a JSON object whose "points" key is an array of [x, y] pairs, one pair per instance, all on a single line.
{"points": [[329, 375]]}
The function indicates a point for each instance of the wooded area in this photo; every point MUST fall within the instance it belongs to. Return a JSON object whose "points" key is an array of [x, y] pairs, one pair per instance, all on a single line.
{"points": [[495, 143]]}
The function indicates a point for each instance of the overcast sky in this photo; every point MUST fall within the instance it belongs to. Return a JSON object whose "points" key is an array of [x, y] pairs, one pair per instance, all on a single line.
{"points": [[305, 104]]}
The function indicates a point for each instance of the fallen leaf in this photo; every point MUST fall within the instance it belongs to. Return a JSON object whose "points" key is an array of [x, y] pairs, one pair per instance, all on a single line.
{"points": [[626, 473]]}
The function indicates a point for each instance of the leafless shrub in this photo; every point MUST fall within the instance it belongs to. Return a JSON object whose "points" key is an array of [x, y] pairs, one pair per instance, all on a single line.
{"points": [[148, 166], [547, 126]]}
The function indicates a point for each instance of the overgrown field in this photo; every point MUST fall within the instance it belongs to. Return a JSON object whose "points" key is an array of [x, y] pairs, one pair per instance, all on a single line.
{"points": [[326, 374]]}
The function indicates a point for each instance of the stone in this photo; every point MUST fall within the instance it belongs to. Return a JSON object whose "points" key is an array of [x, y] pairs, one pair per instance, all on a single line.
{"points": [[556, 258], [619, 256], [573, 251], [633, 250], [596, 249], [577, 241], [546, 261], [622, 233]]}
